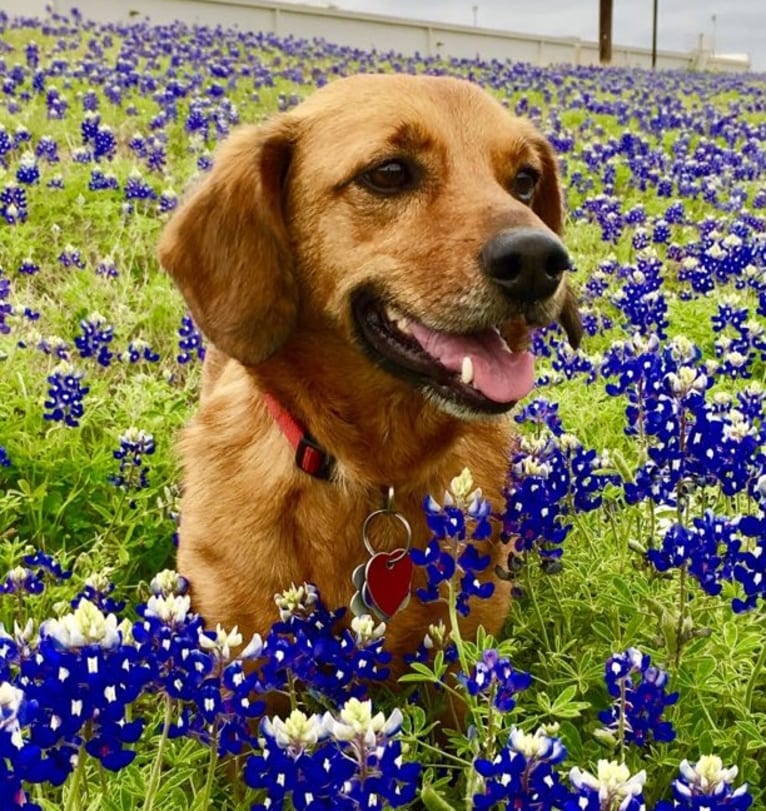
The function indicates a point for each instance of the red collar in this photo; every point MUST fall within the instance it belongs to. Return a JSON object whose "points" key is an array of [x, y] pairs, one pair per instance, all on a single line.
{"points": [[310, 457]]}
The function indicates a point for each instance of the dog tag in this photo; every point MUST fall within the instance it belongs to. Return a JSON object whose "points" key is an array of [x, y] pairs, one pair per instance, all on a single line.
{"points": [[388, 579], [384, 583]]}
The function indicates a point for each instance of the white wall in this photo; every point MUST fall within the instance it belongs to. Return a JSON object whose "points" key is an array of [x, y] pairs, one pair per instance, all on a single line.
{"points": [[372, 31]]}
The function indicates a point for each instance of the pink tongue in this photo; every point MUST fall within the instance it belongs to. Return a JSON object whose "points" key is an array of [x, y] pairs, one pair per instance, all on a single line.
{"points": [[498, 373]]}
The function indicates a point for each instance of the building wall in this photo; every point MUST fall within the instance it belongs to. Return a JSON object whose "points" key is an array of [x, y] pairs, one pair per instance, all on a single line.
{"points": [[369, 31]]}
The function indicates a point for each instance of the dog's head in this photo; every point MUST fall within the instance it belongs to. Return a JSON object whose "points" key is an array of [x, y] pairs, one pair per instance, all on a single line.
{"points": [[411, 216]]}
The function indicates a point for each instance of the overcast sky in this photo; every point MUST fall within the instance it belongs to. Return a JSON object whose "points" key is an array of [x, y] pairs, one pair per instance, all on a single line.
{"points": [[740, 25]]}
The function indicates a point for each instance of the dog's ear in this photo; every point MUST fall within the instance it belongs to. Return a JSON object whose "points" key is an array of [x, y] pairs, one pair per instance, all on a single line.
{"points": [[569, 318], [548, 204], [548, 201], [227, 246]]}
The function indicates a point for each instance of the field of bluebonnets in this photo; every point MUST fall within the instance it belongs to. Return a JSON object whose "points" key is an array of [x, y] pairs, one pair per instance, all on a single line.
{"points": [[632, 674]]}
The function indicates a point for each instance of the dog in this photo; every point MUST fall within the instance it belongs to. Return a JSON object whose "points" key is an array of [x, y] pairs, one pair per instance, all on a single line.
{"points": [[367, 268]]}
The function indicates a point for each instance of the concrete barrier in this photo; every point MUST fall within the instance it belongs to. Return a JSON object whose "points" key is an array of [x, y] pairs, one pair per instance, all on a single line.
{"points": [[375, 31]]}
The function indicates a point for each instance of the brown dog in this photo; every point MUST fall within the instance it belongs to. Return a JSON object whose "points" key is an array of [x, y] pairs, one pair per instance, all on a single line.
{"points": [[371, 263]]}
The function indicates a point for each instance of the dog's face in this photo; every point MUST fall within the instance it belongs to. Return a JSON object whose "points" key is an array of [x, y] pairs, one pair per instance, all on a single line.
{"points": [[411, 217]]}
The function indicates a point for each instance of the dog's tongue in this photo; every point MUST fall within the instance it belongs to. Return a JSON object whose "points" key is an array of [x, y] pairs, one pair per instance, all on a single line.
{"points": [[498, 373]]}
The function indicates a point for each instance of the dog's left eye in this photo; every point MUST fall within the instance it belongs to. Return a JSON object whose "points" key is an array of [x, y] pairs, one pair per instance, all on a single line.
{"points": [[389, 177], [524, 185]]}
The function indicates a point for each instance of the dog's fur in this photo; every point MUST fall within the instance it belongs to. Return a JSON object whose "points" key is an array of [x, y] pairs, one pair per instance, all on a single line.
{"points": [[267, 251]]}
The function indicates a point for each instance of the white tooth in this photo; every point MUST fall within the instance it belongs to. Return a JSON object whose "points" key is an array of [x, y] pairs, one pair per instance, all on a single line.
{"points": [[466, 371], [404, 325], [392, 314]]}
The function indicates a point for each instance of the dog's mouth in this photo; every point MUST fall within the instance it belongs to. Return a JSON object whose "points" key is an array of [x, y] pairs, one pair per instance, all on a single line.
{"points": [[475, 370]]}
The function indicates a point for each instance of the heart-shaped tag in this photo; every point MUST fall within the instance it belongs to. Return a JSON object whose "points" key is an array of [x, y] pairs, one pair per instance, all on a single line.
{"points": [[388, 579]]}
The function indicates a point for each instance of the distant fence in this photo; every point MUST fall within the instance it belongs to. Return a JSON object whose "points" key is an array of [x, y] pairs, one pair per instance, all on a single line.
{"points": [[383, 33]]}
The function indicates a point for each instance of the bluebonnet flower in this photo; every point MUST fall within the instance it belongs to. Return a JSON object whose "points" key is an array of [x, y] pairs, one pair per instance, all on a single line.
{"points": [[639, 692], [549, 479], [749, 565], [106, 267], [640, 239], [28, 266], [65, 394], [97, 590], [90, 101], [5, 459], [82, 155], [102, 181], [612, 788], [661, 232], [308, 646], [22, 579], [133, 473], [83, 675], [95, 338], [707, 550], [139, 350], [71, 257], [190, 343], [104, 143], [496, 677], [542, 414], [168, 201], [32, 53], [53, 345], [351, 761], [49, 564], [138, 144], [137, 189], [13, 204], [167, 640], [707, 786], [28, 171], [21, 136], [640, 297], [156, 157], [16, 752], [6, 309], [463, 518], [522, 775]]}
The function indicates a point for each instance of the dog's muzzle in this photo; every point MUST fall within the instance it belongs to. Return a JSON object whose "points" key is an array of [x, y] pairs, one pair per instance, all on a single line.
{"points": [[527, 263]]}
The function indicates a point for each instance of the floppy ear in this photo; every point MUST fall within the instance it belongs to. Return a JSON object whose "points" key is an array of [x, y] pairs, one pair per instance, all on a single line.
{"points": [[548, 201], [569, 318], [228, 250], [548, 204]]}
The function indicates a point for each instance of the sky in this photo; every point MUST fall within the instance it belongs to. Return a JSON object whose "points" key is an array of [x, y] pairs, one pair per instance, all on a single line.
{"points": [[739, 27]]}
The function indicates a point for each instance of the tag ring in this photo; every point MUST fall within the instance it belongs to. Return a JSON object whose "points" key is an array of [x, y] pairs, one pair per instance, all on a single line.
{"points": [[401, 519]]}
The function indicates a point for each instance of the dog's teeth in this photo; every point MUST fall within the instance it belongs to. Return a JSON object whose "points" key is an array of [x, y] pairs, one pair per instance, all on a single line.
{"points": [[404, 325], [392, 315], [466, 371]]}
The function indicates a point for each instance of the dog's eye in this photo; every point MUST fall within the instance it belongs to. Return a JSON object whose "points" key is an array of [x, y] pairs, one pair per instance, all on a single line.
{"points": [[524, 185], [389, 177]]}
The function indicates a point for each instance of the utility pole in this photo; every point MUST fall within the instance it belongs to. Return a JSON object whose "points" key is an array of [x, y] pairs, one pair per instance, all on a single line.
{"points": [[605, 31], [654, 37]]}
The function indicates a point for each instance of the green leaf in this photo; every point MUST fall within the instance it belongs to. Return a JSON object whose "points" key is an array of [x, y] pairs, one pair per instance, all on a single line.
{"points": [[434, 801]]}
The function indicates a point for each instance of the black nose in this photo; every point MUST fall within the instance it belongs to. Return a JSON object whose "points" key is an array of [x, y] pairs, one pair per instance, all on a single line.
{"points": [[527, 263]]}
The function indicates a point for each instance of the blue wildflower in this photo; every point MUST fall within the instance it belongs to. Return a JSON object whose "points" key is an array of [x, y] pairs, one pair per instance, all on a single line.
{"points": [[190, 343], [65, 394], [496, 677], [638, 689], [707, 786], [95, 338], [522, 774]]}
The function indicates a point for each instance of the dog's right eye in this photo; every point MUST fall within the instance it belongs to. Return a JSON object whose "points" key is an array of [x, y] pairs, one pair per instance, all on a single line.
{"points": [[389, 178]]}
